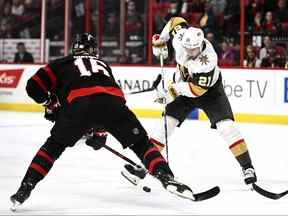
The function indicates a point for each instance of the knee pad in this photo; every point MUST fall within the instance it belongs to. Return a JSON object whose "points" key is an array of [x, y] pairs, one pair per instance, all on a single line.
{"points": [[53, 148], [229, 131]]}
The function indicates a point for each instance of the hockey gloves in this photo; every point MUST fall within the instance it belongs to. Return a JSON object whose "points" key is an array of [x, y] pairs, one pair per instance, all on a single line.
{"points": [[159, 47], [52, 107], [166, 96], [97, 140]]}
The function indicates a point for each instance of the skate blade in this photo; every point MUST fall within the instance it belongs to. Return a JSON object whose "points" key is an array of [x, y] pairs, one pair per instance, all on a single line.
{"points": [[133, 179], [14, 206], [185, 194]]}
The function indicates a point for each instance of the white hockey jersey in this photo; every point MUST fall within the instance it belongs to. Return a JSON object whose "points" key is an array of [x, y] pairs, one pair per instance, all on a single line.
{"points": [[193, 77]]}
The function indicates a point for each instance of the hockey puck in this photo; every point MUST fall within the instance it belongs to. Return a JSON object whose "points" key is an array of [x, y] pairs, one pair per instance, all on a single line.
{"points": [[146, 189]]}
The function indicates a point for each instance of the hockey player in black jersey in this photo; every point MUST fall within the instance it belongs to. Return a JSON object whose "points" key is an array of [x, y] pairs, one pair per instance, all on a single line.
{"points": [[88, 94]]}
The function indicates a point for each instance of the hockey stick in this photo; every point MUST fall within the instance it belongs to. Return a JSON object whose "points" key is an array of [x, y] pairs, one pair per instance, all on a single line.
{"points": [[164, 115], [268, 194], [153, 87], [120, 155]]}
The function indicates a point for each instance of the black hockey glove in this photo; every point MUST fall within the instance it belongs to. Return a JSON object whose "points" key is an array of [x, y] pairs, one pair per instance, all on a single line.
{"points": [[96, 139], [52, 107]]}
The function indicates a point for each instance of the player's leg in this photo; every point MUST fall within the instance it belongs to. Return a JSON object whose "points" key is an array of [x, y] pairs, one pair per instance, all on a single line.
{"points": [[217, 107], [66, 132], [176, 113]]}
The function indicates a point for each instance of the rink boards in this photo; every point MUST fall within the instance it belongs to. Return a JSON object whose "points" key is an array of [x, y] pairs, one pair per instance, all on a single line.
{"points": [[255, 95]]}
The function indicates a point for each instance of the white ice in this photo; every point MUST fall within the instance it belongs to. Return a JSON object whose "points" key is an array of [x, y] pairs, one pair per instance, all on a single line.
{"points": [[84, 181]]}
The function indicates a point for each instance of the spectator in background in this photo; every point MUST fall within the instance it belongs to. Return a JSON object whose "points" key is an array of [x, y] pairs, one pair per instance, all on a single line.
{"points": [[273, 58], [17, 8], [7, 22], [251, 60], [235, 49], [281, 12], [111, 27], [269, 25], [134, 22], [227, 55], [22, 56], [257, 25], [252, 8], [175, 9], [267, 42]]}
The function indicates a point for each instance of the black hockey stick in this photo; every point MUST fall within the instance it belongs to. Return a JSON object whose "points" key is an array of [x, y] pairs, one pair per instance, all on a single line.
{"points": [[153, 87], [120, 155], [268, 194]]}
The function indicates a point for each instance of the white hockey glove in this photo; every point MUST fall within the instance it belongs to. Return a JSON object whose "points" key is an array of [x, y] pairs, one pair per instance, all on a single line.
{"points": [[166, 96], [159, 47]]}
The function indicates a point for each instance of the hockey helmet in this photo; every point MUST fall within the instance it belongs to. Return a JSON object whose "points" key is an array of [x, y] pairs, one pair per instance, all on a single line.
{"points": [[193, 38], [85, 43]]}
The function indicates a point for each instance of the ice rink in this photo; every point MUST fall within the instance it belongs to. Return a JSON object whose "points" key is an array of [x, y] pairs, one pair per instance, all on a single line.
{"points": [[84, 181]]}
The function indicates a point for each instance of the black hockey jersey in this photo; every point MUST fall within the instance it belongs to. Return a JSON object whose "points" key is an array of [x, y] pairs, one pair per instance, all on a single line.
{"points": [[72, 77]]}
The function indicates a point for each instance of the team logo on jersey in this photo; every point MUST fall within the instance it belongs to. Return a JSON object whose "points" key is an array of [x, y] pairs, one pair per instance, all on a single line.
{"points": [[203, 59], [10, 78]]}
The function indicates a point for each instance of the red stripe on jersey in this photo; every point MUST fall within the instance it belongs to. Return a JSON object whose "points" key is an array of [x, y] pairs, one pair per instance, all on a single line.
{"points": [[154, 163], [94, 90], [236, 143], [39, 169], [193, 92], [157, 142], [45, 156], [149, 151], [51, 75], [39, 82]]}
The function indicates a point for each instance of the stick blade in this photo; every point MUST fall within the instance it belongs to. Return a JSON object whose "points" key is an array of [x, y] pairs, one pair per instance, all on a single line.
{"points": [[207, 194], [268, 194]]}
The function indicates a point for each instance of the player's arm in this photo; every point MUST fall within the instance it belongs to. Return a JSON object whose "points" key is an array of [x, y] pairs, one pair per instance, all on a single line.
{"points": [[41, 84], [172, 27], [159, 42]]}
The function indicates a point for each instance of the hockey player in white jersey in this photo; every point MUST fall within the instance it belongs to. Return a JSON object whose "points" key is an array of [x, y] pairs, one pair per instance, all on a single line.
{"points": [[197, 83]]}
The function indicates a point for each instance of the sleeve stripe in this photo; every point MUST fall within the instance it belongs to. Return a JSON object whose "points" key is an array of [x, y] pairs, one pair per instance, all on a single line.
{"points": [[191, 89], [51, 75], [40, 83]]}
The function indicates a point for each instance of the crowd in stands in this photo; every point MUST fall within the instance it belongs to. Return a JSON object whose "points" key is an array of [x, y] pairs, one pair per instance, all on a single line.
{"points": [[266, 25]]}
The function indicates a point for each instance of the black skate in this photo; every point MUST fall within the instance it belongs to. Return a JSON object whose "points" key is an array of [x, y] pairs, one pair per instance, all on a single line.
{"points": [[249, 175], [175, 187], [22, 194], [137, 170], [134, 173]]}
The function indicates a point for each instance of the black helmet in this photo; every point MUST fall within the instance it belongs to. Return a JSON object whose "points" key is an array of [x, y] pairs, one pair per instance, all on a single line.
{"points": [[85, 43]]}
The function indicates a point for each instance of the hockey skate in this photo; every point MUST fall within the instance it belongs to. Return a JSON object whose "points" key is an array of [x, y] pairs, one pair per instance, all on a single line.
{"points": [[175, 187], [249, 175], [22, 194], [134, 173]]}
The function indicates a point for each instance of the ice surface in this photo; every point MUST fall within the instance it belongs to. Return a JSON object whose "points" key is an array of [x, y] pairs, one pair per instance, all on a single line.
{"points": [[84, 181]]}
